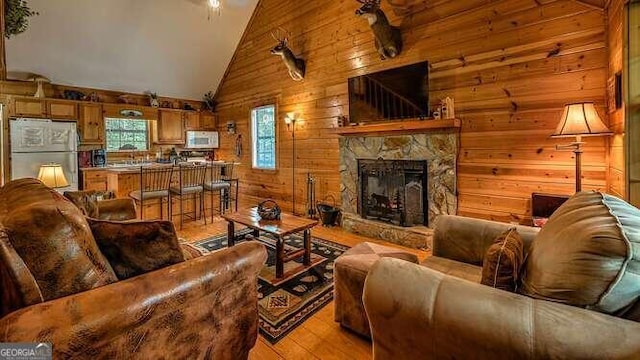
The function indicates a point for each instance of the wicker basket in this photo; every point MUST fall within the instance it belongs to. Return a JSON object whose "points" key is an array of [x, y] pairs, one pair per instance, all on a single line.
{"points": [[269, 210]]}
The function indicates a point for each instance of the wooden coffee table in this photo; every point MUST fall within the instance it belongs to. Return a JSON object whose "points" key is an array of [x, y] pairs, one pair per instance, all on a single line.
{"points": [[287, 225]]}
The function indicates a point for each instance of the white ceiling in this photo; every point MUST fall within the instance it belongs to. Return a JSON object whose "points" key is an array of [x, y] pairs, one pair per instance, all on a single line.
{"points": [[166, 46]]}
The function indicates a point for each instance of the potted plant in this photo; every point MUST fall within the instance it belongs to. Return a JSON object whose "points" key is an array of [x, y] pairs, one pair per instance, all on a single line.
{"points": [[16, 17]]}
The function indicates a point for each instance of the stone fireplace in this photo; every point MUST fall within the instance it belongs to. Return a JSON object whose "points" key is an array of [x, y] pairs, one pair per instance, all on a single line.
{"points": [[426, 187]]}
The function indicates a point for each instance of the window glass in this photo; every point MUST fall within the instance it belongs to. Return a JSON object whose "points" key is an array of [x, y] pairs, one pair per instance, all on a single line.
{"points": [[263, 129], [127, 134]]}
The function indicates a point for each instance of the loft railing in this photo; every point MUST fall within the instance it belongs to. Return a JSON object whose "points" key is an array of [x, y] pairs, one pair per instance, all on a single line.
{"points": [[383, 102]]}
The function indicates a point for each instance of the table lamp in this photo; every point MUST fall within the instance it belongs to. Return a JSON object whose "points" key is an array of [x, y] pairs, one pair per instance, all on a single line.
{"points": [[52, 175], [579, 119]]}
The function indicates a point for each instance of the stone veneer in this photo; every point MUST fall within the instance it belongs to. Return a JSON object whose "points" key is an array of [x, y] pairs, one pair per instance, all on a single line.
{"points": [[438, 148]]}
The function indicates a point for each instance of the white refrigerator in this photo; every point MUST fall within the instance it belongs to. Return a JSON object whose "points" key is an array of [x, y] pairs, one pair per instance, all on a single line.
{"points": [[35, 142]]}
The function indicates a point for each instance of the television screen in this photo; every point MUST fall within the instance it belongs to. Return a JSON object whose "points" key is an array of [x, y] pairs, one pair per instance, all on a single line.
{"points": [[400, 93]]}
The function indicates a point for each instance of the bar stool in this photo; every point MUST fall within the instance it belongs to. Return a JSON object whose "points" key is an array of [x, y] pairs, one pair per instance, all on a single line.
{"points": [[217, 185], [228, 175], [154, 185], [190, 185]]}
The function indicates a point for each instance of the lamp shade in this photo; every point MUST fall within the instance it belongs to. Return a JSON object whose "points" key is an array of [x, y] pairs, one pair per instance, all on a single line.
{"points": [[580, 119], [52, 176]]}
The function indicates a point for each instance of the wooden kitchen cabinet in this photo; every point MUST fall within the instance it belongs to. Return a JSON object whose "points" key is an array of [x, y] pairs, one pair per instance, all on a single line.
{"points": [[208, 121], [191, 120], [91, 124], [49, 109], [30, 108], [170, 127], [61, 109], [95, 180]]}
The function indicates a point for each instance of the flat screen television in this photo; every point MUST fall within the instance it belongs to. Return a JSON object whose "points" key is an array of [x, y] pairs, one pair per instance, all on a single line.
{"points": [[400, 93]]}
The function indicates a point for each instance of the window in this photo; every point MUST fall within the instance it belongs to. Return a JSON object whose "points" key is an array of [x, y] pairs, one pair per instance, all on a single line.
{"points": [[127, 134], [263, 130]]}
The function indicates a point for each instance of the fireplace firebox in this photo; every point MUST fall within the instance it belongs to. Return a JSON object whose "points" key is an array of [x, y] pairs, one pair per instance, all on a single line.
{"points": [[393, 191]]}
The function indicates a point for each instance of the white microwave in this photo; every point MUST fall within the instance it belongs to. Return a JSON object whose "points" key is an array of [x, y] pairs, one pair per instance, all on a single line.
{"points": [[202, 140]]}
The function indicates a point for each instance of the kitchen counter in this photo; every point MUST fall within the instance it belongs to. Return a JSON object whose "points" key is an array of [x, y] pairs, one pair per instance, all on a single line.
{"points": [[131, 168]]}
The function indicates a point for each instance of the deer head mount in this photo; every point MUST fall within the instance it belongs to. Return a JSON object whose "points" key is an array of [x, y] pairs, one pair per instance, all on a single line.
{"points": [[295, 65], [388, 37]]}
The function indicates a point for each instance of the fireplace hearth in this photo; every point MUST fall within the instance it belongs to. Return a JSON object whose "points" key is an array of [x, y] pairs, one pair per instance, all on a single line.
{"points": [[393, 191]]}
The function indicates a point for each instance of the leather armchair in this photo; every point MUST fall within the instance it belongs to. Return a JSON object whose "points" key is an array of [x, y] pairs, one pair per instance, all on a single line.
{"points": [[58, 287], [439, 310], [102, 205], [419, 313]]}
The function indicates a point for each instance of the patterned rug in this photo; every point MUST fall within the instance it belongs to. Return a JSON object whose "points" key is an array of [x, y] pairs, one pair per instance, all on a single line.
{"points": [[286, 303]]}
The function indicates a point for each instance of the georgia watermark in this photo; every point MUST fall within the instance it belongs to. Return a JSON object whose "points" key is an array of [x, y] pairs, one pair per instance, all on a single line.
{"points": [[26, 351]]}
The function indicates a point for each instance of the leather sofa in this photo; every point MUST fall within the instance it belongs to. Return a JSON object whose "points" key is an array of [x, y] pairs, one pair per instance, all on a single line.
{"points": [[58, 287], [439, 310]]}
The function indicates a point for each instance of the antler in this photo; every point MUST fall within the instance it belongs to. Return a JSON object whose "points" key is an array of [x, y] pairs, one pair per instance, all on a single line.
{"points": [[278, 35]]}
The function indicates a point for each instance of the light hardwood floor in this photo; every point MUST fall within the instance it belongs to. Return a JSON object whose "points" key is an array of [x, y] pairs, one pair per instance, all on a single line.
{"points": [[319, 337]]}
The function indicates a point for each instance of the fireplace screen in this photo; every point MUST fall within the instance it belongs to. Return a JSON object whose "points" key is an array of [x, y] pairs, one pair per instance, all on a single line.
{"points": [[393, 191]]}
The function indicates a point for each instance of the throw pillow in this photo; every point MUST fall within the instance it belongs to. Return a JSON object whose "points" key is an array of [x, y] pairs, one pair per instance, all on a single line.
{"points": [[502, 262], [587, 255], [137, 247]]}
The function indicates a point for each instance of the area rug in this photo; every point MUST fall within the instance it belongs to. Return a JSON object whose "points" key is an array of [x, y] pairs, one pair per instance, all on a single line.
{"points": [[285, 304]]}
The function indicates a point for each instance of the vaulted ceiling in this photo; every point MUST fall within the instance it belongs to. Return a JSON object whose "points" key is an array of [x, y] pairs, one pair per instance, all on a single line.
{"points": [[165, 46]]}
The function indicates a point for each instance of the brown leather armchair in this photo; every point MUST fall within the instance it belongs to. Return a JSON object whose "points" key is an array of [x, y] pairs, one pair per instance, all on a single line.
{"points": [[102, 204], [440, 310], [58, 287]]}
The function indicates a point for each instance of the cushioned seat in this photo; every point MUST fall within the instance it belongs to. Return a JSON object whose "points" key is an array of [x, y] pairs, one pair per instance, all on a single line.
{"points": [[217, 185], [187, 190], [350, 270], [149, 195], [454, 268]]}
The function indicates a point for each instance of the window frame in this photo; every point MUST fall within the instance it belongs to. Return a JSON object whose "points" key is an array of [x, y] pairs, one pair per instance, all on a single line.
{"points": [[148, 136], [254, 142]]}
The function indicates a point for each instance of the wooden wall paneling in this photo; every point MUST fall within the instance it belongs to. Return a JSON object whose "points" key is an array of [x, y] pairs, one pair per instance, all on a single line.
{"points": [[615, 38], [3, 52], [510, 65]]}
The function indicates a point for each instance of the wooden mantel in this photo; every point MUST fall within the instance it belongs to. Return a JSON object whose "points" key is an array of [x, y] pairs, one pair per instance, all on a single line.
{"points": [[398, 127]]}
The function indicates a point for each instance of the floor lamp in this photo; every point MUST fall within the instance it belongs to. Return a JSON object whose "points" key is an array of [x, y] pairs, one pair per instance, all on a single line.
{"points": [[291, 120], [579, 119]]}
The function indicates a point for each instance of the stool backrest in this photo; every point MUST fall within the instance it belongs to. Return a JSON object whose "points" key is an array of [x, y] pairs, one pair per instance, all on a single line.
{"points": [[155, 178], [228, 171], [216, 173], [192, 175]]}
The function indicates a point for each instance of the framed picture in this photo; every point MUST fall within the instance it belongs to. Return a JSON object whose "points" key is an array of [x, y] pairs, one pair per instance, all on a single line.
{"points": [[614, 92]]}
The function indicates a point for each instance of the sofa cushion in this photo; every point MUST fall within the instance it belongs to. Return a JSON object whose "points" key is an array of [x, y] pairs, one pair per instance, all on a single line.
{"points": [[454, 268], [501, 264], [53, 239], [587, 255], [137, 247]]}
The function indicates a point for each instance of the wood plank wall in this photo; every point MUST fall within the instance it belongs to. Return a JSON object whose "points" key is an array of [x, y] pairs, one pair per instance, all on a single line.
{"points": [[615, 38], [510, 65]]}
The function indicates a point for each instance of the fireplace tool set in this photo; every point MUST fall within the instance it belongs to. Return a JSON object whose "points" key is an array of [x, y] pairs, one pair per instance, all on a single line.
{"points": [[327, 213]]}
